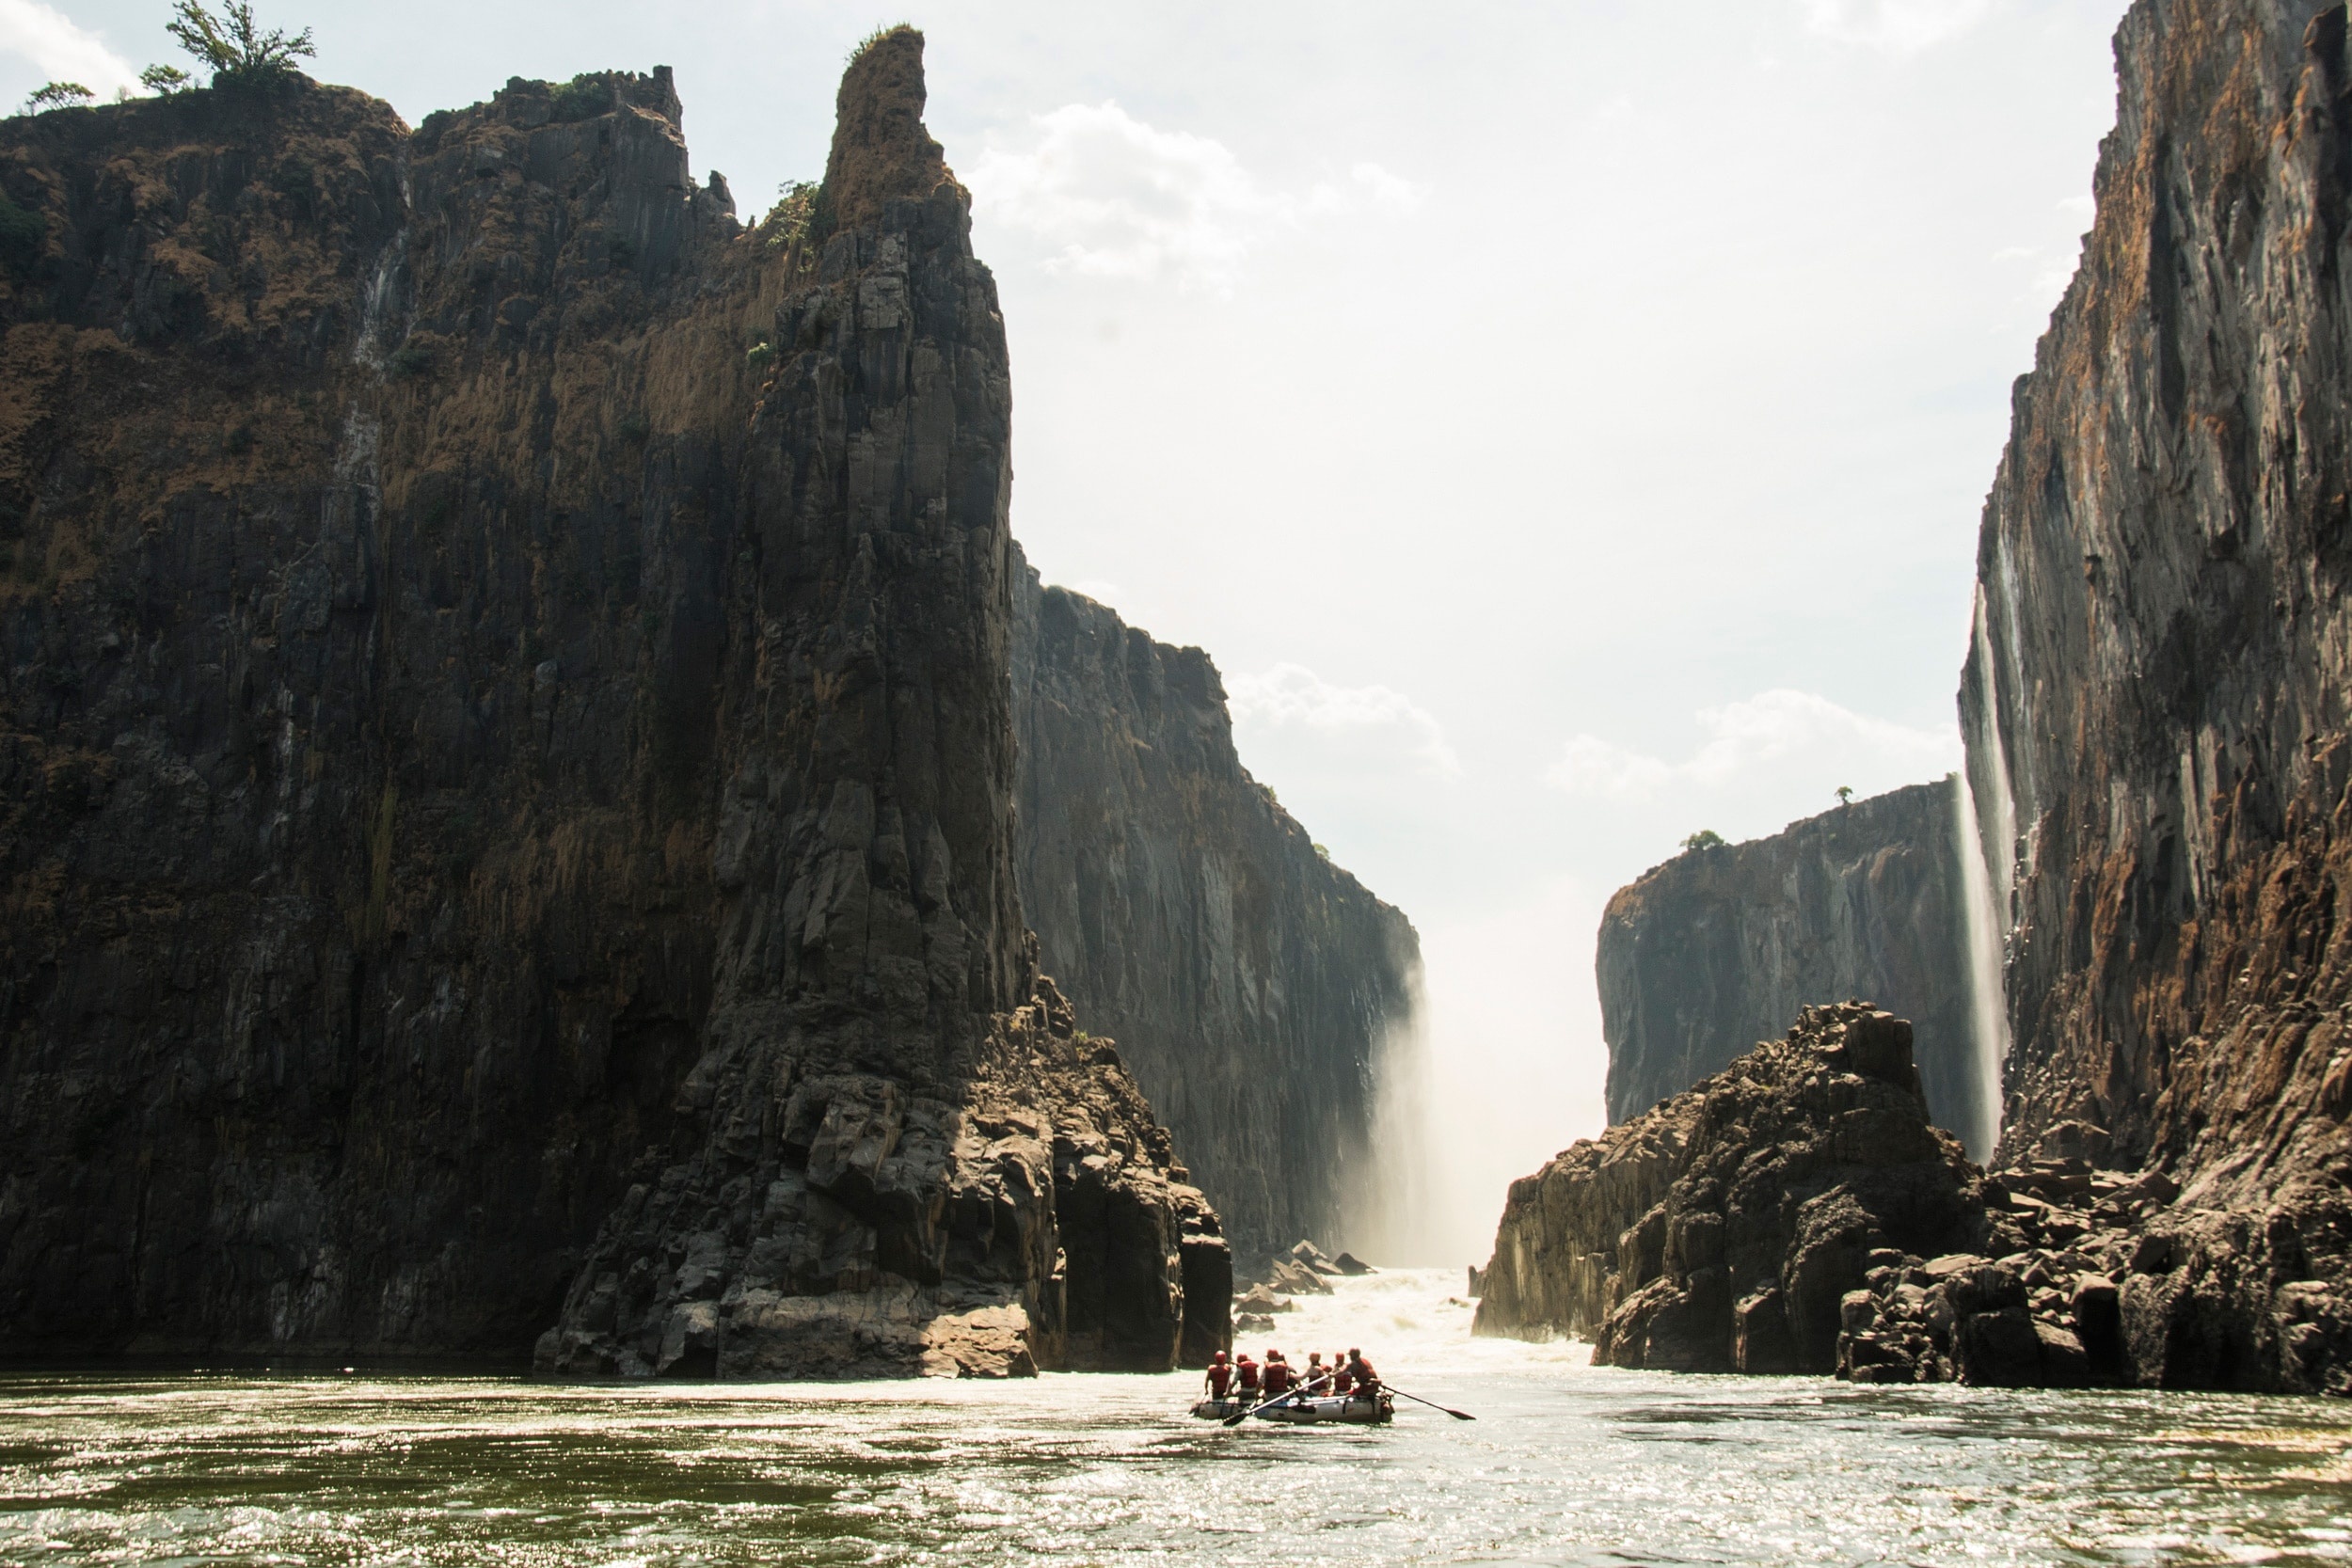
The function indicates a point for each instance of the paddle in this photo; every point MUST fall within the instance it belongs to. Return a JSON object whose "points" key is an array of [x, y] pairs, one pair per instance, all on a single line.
{"points": [[1286, 1394], [1457, 1415]]}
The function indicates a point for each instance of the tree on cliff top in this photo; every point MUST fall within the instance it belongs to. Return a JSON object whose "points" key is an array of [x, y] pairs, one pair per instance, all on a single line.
{"points": [[58, 95], [1705, 838], [233, 46]]}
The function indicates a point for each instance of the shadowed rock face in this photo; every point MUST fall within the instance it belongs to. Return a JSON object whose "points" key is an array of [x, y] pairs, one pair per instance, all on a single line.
{"points": [[1717, 949], [2155, 702], [1722, 1231], [506, 763], [1251, 984]]}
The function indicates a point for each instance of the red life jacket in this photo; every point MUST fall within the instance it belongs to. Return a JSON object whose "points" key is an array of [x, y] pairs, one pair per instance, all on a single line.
{"points": [[1249, 1377], [1361, 1371], [1220, 1377], [1277, 1377], [1341, 1379]]}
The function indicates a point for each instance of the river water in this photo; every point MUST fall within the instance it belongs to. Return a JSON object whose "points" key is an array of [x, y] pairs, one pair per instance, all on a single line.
{"points": [[1565, 1464]]}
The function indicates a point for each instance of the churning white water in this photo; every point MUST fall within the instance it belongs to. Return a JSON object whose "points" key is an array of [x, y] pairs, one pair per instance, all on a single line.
{"points": [[1566, 1463]]}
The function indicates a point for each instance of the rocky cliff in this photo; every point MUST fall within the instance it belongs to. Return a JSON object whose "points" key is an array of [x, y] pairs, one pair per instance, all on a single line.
{"points": [[2155, 700], [1797, 1212], [1251, 983], [1720, 947], [506, 761]]}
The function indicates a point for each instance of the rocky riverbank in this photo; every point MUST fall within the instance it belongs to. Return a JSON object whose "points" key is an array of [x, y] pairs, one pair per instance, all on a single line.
{"points": [[1797, 1213]]}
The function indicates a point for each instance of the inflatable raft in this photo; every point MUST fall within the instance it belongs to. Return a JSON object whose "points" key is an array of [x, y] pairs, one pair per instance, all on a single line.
{"points": [[1307, 1410]]}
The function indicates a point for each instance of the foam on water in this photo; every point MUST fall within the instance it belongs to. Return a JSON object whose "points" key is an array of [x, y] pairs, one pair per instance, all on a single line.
{"points": [[1565, 1464]]}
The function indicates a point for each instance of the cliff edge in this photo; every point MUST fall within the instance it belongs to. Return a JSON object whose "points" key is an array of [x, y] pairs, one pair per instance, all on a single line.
{"points": [[1251, 984], [506, 762], [2155, 699], [1715, 949]]}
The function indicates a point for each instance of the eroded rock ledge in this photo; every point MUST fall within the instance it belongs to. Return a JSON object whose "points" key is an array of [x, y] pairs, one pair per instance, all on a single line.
{"points": [[1797, 1212]]}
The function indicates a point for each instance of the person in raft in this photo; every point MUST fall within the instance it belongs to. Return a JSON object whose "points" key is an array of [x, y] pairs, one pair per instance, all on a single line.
{"points": [[1359, 1372], [1277, 1376], [1220, 1376], [1316, 1371], [1341, 1382], [1246, 1370]]}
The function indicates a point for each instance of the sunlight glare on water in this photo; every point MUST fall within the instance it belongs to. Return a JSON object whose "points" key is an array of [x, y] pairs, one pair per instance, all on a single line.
{"points": [[1565, 1464]]}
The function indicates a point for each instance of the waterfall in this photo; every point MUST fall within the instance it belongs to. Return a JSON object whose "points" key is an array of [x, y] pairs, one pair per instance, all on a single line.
{"points": [[1988, 848], [381, 307], [1392, 1213], [1988, 1005]]}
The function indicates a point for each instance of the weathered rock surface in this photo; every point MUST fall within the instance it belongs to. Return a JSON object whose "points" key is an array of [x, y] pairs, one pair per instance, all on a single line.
{"points": [[1723, 1230], [506, 763], [2155, 702], [1718, 948], [1798, 1213], [1251, 984]]}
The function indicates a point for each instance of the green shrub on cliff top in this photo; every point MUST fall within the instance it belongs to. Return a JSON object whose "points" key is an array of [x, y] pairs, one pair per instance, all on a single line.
{"points": [[1705, 838], [233, 47], [56, 95], [584, 97], [877, 35]]}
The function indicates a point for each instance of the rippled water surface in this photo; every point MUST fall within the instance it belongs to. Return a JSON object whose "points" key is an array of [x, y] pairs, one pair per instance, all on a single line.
{"points": [[1565, 1464]]}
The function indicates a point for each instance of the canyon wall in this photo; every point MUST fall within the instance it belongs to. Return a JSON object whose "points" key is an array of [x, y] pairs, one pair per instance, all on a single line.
{"points": [[2155, 706], [2156, 697], [1720, 947], [1251, 984], [506, 762]]}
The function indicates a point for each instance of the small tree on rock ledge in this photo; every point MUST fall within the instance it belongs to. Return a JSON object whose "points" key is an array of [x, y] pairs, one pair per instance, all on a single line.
{"points": [[233, 46], [1705, 838], [58, 95]]}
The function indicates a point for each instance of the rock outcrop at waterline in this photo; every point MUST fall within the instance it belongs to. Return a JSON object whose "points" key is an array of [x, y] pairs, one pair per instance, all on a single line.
{"points": [[1252, 984], [1719, 947], [1720, 1230], [2155, 702], [506, 762], [1797, 1212]]}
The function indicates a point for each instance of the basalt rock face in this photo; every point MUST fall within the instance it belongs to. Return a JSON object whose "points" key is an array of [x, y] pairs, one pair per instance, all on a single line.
{"points": [[1251, 984], [1719, 947], [1722, 1231], [1797, 1212], [2155, 702], [506, 763]]}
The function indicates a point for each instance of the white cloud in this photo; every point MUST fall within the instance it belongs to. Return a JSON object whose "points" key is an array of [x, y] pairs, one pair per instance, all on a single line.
{"points": [[62, 51], [1118, 197], [1293, 694], [1743, 737], [1896, 27]]}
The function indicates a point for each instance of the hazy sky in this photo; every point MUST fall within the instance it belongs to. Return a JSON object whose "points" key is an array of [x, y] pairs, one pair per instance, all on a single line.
{"points": [[1566, 424]]}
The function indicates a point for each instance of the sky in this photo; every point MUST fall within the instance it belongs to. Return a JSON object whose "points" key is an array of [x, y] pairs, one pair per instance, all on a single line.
{"points": [[1565, 423]]}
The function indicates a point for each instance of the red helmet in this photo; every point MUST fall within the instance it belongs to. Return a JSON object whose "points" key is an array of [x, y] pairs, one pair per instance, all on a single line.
{"points": [[1246, 1361], [1217, 1360]]}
